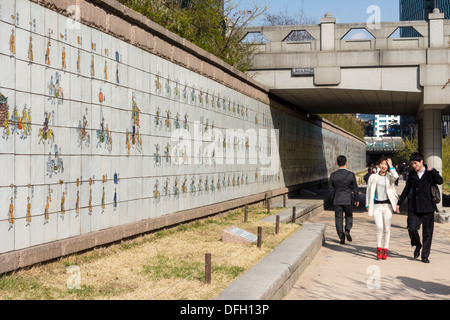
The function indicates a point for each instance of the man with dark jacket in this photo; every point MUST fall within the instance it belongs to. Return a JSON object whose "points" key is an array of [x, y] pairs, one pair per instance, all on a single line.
{"points": [[421, 207], [344, 192]]}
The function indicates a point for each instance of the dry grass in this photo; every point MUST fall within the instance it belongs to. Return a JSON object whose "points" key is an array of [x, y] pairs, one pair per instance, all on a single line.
{"points": [[166, 265]]}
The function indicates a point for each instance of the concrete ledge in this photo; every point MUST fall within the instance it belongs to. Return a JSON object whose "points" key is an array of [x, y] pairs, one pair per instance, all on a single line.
{"points": [[307, 206], [274, 276]]}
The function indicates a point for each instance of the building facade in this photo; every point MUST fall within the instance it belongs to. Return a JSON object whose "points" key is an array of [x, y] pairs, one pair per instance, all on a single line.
{"points": [[379, 125], [419, 9], [386, 123], [411, 10]]}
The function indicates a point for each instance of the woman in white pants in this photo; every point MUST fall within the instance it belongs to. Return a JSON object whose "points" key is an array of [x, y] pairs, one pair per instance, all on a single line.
{"points": [[381, 202]]}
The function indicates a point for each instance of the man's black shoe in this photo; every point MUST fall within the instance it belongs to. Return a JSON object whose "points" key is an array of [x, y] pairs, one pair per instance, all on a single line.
{"points": [[347, 234], [342, 241], [425, 260], [417, 251]]}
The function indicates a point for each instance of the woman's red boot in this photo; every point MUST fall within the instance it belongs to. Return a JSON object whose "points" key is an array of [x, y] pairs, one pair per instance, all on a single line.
{"points": [[379, 253], [384, 254]]}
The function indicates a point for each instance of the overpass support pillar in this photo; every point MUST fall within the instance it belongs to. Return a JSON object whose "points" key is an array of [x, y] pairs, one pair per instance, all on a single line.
{"points": [[430, 145]]}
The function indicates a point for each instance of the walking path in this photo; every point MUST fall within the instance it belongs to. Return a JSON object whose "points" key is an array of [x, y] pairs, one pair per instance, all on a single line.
{"points": [[352, 272]]}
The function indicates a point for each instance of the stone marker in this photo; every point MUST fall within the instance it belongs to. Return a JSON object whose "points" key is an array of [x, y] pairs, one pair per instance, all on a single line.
{"points": [[234, 234]]}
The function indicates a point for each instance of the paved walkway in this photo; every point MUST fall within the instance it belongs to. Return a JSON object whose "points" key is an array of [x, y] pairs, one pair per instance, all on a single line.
{"points": [[352, 272]]}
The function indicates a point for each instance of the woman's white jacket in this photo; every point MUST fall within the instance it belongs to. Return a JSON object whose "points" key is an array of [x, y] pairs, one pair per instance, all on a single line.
{"points": [[391, 176]]}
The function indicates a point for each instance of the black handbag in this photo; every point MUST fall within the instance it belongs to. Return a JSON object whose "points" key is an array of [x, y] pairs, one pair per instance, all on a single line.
{"points": [[435, 193], [435, 196]]}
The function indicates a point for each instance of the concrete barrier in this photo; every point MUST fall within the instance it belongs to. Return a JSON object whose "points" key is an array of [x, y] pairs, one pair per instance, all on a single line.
{"points": [[274, 276]]}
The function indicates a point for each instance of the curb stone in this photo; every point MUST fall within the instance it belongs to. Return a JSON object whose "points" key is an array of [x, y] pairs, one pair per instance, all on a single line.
{"points": [[274, 276]]}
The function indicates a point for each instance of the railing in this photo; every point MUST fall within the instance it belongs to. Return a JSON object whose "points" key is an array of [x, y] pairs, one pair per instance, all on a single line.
{"points": [[383, 144], [329, 36]]}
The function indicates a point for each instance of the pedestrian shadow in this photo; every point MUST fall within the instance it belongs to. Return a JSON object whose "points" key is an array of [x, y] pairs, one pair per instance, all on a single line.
{"points": [[368, 252], [425, 287], [348, 247]]}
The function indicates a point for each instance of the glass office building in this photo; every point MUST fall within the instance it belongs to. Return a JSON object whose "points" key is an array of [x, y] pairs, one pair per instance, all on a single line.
{"points": [[418, 10]]}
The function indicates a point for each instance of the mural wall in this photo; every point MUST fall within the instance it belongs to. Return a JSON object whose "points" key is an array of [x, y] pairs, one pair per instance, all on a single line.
{"points": [[97, 133]]}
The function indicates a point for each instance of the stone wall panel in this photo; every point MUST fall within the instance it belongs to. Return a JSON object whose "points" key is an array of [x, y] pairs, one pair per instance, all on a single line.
{"points": [[91, 117]]}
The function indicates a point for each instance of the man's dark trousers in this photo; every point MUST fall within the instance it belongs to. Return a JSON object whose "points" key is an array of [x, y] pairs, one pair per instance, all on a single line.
{"points": [[414, 222], [344, 192], [339, 211]]}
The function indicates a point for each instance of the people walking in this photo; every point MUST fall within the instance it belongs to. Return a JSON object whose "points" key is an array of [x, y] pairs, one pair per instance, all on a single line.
{"points": [[344, 193], [381, 201], [421, 207]]}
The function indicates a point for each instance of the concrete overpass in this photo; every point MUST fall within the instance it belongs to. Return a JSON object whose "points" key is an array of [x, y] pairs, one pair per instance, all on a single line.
{"points": [[382, 75], [379, 75], [382, 145], [378, 146]]}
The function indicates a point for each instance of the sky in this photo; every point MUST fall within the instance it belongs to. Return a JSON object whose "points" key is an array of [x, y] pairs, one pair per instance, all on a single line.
{"points": [[345, 11]]}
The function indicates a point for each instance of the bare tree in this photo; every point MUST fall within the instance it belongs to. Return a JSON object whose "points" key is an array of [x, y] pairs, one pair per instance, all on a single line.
{"points": [[283, 18]]}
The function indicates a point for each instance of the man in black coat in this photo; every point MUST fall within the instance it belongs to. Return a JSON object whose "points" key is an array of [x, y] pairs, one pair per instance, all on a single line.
{"points": [[421, 207], [344, 192]]}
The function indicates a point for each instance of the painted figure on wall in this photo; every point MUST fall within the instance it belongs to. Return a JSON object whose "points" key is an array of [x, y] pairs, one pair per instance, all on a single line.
{"points": [[28, 211], [24, 123], [90, 197], [77, 203], [83, 134], [167, 122], [176, 190], [157, 120], [55, 90], [12, 43], [45, 133], [167, 153], [47, 206], [104, 136], [47, 51], [158, 84], [157, 156], [133, 137], [156, 193], [192, 186], [55, 164], [92, 67], [176, 91], [63, 201], [101, 97], [30, 50], [63, 58], [168, 88], [103, 203], [11, 213], [16, 124], [116, 182], [79, 62], [4, 115], [184, 186], [177, 121], [166, 187], [117, 74]]}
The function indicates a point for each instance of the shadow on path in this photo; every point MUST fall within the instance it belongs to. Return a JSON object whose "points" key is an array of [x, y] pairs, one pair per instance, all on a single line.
{"points": [[426, 287]]}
